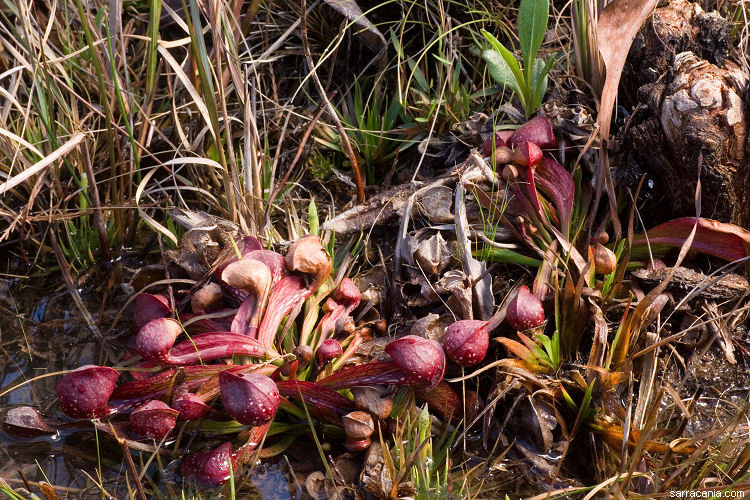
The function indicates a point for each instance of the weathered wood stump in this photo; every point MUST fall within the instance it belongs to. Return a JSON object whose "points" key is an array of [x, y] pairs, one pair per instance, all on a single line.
{"points": [[692, 96]]}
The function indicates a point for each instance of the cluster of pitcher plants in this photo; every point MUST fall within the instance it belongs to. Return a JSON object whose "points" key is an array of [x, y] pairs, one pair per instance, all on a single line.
{"points": [[240, 354]]}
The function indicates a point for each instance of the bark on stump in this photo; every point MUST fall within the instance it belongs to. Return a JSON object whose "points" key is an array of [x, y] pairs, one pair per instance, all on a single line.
{"points": [[693, 102]]}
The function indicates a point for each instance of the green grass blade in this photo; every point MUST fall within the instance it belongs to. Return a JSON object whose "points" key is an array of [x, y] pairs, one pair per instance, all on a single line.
{"points": [[153, 34]]}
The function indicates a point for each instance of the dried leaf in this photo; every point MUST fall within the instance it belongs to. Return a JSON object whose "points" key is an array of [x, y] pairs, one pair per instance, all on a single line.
{"points": [[48, 491], [618, 24], [376, 476], [430, 327], [456, 283], [722, 332], [432, 254], [436, 203], [599, 344], [631, 324], [25, 421], [474, 269], [535, 421], [370, 34]]}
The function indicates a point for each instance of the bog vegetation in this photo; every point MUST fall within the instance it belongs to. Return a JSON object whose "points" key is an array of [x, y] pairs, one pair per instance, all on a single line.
{"points": [[374, 247]]}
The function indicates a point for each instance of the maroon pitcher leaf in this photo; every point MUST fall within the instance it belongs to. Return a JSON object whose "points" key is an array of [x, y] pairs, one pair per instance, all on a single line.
{"points": [[374, 373], [356, 445], [421, 359], [155, 343], [84, 392], [250, 399], [191, 406], [321, 401], [537, 130], [247, 319], [466, 341], [156, 338], [341, 303], [223, 324], [527, 154], [416, 361], [286, 294], [348, 294], [524, 310], [156, 386], [498, 138], [719, 239], [211, 466], [328, 350], [274, 261], [532, 194], [557, 183], [153, 420], [214, 345], [148, 307], [443, 400]]}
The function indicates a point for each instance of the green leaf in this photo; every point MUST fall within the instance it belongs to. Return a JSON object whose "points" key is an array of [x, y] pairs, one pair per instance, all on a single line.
{"points": [[312, 217], [391, 114], [506, 256], [359, 112], [532, 25], [555, 354], [587, 398], [419, 77], [572, 404], [539, 79], [542, 356], [546, 342], [525, 91], [500, 71], [442, 60], [484, 93], [396, 43]]}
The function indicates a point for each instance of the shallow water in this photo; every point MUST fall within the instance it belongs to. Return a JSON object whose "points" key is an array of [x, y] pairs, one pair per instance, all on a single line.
{"points": [[43, 333]]}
